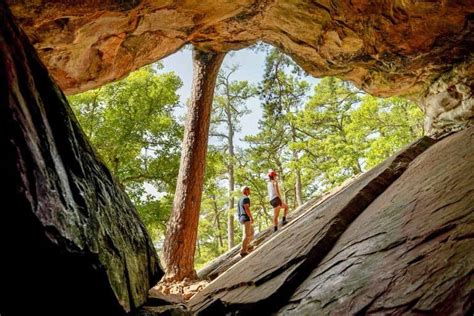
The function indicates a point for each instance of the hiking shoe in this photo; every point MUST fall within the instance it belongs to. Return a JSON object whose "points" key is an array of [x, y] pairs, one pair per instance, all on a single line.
{"points": [[275, 229], [284, 222], [243, 254]]}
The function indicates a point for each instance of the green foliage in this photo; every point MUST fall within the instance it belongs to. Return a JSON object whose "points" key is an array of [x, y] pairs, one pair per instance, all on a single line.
{"points": [[328, 148], [131, 125], [347, 132], [385, 126], [229, 107], [282, 92]]}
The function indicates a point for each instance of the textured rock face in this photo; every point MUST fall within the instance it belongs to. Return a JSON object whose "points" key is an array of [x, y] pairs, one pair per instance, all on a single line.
{"points": [[393, 47], [410, 251], [449, 103], [72, 242], [262, 281], [397, 240]]}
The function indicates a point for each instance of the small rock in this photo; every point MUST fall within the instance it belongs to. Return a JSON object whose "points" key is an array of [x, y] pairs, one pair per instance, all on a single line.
{"points": [[187, 296]]}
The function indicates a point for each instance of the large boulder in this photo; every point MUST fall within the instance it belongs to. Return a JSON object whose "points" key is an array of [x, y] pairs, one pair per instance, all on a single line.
{"points": [[396, 240], [72, 242], [394, 48], [410, 251]]}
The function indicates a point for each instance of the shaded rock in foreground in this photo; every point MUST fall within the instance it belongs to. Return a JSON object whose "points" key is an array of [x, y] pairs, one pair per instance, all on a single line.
{"points": [[411, 250], [266, 278], [71, 239]]}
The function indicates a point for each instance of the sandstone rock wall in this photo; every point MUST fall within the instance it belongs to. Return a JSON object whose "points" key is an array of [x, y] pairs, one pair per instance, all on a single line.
{"points": [[388, 49], [72, 242], [391, 47], [448, 103]]}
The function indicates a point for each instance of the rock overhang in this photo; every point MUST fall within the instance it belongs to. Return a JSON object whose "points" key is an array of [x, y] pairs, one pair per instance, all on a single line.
{"points": [[387, 48], [391, 48]]}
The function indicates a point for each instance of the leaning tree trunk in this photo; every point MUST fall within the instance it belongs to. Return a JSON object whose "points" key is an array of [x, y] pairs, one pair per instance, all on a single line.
{"points": [[181, 234]]}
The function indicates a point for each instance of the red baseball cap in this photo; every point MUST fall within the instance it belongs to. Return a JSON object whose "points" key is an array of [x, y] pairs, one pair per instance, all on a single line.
{"points": [[271, 173]]}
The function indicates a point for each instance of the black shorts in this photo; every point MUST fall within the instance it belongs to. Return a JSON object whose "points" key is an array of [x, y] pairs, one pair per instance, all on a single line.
{"points": [[244, 218], [275, 202]]}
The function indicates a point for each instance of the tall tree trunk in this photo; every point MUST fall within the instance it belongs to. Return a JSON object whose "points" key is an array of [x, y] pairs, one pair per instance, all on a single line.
{"points": [[281, 183], [218, 221], [298, 186], [230, 170], [230, 217], [92, 119], [181, 233]]}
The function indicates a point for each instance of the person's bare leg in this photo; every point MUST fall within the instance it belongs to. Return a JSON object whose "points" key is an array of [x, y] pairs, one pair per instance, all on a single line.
{"points": [[285, 212], [252, 233], [276, 213]]}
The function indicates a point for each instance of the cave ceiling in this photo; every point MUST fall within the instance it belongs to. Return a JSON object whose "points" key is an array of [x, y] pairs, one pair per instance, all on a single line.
{"points": [[390, 47]]}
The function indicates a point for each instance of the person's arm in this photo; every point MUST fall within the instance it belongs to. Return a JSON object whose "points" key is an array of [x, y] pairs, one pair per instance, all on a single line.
{"points": [[279, 194], [277, 189], [247, 211]]}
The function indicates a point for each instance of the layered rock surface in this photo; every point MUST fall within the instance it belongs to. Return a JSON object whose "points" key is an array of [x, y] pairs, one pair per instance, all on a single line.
{"points": [[396, 240], [448, 103], [72, 242], [264, 280], [410, 251]]}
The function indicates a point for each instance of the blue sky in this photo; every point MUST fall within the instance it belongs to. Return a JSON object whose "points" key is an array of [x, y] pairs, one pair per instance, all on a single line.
{"points": [[251, 67]]}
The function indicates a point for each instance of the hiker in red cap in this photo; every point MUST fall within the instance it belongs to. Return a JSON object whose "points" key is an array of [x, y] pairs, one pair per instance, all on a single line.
{"points": [[275, 199]]}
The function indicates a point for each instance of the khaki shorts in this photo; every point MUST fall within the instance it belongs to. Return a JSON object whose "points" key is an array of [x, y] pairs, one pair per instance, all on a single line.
{"points": [[248, 230]]}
